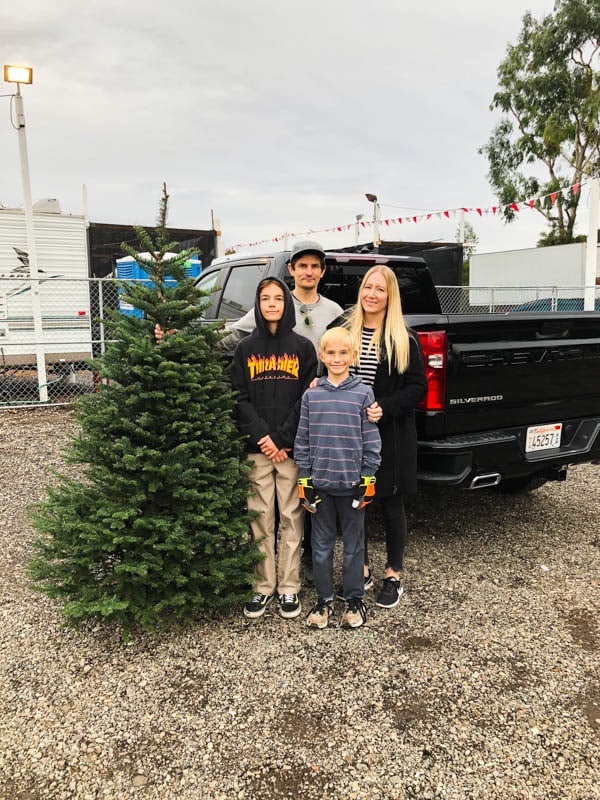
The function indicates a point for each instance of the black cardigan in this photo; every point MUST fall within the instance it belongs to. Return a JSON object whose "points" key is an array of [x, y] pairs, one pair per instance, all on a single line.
{"points": [[398, 394]]}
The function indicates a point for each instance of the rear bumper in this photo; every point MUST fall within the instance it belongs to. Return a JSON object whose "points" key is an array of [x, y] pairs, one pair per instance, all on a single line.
{"points": [[461, 460]]}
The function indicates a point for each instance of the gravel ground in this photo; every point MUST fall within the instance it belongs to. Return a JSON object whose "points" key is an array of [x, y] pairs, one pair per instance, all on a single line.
{"points": [[483, 683]]}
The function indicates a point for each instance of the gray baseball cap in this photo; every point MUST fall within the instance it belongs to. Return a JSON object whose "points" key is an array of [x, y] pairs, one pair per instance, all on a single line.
{"points": [[306, 246]]}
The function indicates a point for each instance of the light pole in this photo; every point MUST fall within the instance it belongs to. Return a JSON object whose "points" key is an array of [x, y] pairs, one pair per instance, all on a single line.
{"points": [[372, 198], [356, 229], [19, 75]]}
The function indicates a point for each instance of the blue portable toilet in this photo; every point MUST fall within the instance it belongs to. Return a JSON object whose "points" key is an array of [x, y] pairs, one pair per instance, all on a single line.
{"points": [[128, 269]]}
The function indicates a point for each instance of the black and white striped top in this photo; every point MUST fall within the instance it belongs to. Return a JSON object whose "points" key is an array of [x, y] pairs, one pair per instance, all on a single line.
{"points": [[368, 359]]}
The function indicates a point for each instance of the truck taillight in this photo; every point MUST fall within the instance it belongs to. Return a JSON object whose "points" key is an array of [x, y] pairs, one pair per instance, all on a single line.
{"points": [[434, 355]]}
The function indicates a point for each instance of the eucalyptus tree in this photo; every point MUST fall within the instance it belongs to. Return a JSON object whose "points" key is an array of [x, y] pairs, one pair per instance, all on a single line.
{"points": [[547, 140]]}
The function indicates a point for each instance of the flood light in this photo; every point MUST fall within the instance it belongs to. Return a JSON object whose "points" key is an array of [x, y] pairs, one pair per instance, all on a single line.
{"points": [[14, 74]]}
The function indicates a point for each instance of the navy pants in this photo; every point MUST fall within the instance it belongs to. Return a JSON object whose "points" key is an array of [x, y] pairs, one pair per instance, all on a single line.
{"points": [[352, 523]]}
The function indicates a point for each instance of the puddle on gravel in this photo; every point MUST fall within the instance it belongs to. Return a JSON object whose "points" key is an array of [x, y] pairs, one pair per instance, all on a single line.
{"points": [[582, 626]]}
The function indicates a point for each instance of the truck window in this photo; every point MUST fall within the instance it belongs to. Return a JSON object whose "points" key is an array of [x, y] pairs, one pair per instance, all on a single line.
{"points": [[208, 283], [341, 283], [240, 290]]}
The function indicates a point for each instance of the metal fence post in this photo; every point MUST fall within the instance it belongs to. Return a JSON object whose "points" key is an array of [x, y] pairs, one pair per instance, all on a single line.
{"points": [[101, 313]]}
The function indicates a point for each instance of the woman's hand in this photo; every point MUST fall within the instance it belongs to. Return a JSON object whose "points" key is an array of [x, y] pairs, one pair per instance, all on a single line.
{"points": [[374, 412]]}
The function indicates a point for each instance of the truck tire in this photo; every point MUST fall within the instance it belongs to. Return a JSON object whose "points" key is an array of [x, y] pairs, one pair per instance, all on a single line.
{"points": [[522, 483]]}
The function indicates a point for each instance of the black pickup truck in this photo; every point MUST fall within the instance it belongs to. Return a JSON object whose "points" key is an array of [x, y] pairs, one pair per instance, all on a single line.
{"points": [[512, 399]]}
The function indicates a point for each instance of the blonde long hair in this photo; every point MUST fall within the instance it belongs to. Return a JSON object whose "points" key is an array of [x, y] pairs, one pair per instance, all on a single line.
{"points": [[392, 334]]}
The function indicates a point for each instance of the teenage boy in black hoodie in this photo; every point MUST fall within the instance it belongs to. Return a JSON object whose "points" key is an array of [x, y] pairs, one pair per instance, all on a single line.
{"points": [[272, 367]]}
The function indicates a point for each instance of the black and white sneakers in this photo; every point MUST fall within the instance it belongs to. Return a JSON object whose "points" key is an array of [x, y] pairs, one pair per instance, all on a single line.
{"points": [[390, 594], [256, 607], [289, 605]]}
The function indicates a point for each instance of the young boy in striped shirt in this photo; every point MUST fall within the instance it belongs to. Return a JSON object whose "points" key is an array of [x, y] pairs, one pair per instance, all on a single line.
{"points": [[337, 451]]}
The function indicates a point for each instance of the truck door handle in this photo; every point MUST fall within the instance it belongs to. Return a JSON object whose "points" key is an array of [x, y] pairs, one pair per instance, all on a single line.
{"points": [[552, 334]]}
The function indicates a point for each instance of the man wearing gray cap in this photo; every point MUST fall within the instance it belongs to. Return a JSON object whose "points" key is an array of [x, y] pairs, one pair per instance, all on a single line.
{"points": [[313, 311]]}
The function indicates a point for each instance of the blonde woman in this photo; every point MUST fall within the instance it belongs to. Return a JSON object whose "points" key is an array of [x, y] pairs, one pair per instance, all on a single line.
{"points": [[391, 362]]}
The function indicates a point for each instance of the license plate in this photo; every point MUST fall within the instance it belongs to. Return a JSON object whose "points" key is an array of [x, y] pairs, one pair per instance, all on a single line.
{"points": [[543, 437]]}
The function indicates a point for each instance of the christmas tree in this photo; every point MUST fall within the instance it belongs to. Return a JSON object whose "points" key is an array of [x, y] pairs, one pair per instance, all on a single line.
{"points": [[156, 528]]}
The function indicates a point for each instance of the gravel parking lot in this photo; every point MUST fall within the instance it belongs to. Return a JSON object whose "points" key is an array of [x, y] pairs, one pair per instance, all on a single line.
{"points": [[483, 683]]}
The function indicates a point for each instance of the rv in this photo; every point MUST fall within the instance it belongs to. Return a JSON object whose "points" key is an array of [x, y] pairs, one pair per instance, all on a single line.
{"points": [[63, 273]]}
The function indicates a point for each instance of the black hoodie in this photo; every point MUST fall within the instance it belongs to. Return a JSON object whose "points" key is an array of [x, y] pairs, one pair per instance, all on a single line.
{"points": [[271, 372]]}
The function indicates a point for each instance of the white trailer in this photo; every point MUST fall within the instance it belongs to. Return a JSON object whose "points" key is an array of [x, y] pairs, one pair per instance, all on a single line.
{"points": [[521, 273], [62, 254]]}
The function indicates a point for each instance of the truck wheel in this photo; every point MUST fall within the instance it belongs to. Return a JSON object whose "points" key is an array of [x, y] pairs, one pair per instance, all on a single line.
{"points": [[522, 483]]}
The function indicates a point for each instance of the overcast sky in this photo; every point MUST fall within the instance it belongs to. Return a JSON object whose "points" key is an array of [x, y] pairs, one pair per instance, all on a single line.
{"points": [[277, 115]]}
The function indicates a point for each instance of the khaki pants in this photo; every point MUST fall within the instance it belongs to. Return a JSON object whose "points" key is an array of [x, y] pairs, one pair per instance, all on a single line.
{"points": [[269, 478]]}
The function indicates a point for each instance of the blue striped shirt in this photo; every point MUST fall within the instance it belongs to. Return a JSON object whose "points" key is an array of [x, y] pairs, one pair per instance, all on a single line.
{"points": [[335, 443]]}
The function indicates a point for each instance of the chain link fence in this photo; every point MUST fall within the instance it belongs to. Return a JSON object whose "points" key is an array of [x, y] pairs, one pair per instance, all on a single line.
{"points": [[515, 299], [51, 328]]}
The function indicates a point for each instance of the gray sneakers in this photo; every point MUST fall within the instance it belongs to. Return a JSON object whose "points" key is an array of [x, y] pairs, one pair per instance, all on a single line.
{"points": [[355, 614], [318, 616]]}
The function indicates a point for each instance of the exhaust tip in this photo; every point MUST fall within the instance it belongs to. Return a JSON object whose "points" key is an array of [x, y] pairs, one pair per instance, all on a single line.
{"points": [[483, 481]]}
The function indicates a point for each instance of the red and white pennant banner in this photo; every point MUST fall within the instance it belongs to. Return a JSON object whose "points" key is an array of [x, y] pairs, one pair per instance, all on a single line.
{"points": [[523, 204]]}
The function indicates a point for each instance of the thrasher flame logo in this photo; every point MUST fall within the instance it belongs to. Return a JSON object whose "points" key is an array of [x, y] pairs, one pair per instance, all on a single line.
{"points": [[260, 365]]}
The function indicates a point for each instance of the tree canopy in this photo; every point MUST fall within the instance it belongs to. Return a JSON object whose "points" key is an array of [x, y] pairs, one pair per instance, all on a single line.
{"points": [[548, 138]]}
